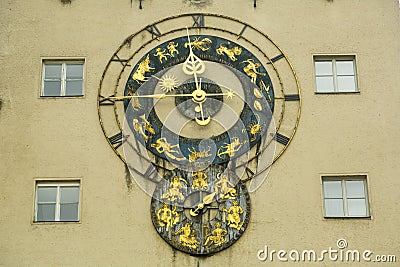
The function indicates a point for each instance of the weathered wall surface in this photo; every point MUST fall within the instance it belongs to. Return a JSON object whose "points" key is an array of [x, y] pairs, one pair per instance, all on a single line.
{"points": [[58, 138]]}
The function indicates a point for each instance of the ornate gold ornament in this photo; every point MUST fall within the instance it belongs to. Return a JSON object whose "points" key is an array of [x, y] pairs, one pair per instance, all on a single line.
{"points": [[230, 52], [144, 66], [167, 83], [200, 181], [190, 104], [216, 237]]}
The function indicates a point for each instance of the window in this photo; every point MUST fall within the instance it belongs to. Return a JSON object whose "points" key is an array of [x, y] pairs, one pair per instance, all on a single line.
{"points": [[62, 78], [345, 196], [57, 201], [335, 74]]}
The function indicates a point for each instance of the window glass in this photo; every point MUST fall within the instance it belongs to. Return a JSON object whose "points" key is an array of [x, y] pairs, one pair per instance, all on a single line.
{"points": [[346, 84], [74, 71], [47, 194], [52, 88], [344, 67], [52, 71], [355, 189], [73, 88], [46, 212], [68, 212], [357, 207], [334, 207], [325, 84], [69, 194], [323, 68], [333, 189]]}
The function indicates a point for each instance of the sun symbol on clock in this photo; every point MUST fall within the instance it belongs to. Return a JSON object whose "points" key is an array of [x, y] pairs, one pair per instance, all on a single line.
{"points": [[168, 83]]}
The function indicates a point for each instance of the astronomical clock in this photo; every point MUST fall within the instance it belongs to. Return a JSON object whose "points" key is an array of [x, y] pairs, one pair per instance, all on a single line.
{"points": [[199, 107]]}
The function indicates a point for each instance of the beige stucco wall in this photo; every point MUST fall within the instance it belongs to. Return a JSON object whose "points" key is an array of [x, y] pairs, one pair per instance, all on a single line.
{"points": [[60, 138]]}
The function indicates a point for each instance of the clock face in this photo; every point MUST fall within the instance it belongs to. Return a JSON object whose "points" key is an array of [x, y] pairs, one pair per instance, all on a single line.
{"points": [[201, 212], [199, 106], [180, 119]]}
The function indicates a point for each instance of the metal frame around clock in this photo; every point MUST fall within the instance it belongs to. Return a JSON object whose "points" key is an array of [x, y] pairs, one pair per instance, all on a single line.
{"points": [[111, 111]]}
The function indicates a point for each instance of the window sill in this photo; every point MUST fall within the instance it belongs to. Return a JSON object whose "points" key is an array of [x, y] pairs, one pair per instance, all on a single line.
{"points": [[348, 217], [337, 93], [67, 96], [55, 222]]}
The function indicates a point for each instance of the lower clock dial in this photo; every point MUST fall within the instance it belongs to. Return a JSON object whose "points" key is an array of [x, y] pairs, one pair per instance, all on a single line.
{"points": [[200, 212]]}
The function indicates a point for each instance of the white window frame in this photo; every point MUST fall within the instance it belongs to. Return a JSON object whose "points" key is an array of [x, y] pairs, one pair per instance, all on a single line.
{"points": [[343, 179], [333, 59], [58, 184], [63, 78]]}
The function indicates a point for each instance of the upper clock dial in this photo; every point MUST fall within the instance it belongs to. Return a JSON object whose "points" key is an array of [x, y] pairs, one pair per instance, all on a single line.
{"points": [[211, 99]]}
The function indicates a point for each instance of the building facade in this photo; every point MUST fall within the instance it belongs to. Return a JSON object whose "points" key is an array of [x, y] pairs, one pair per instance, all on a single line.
{"points": [[318, 187]]}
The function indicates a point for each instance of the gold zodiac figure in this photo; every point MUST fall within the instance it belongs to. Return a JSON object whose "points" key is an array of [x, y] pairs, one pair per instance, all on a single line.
{"points": [[172, 48], [229, 149], [217, 236], [162, 146], [234, 213], [224, 187], [142, 126], [230, 52], [203, 45], [167, 217], [200, 183], [251, 69], [144, 66], [263, 87], [174, 190], [161, 54], [188, 236], [254, 127], [195, 155]]}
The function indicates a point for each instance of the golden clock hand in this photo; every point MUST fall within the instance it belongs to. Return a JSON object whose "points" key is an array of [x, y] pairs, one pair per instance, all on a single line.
{"points": [[229, 94], [193, 65], [160, 96], [206, 200], [203, 121], [136, 96], [199, 98]]}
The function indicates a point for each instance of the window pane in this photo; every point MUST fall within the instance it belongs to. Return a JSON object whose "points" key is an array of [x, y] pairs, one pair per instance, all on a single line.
{"points": [[355, 189], [69, 194], [324, 84], [334, 207], [46, 212], [346, 84], [74, 88], [74, 71], [52, 71], [344, 67], [357, 207], [323, 67], [52, 88], [333, 189], [68, 212], [46, 194]]}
